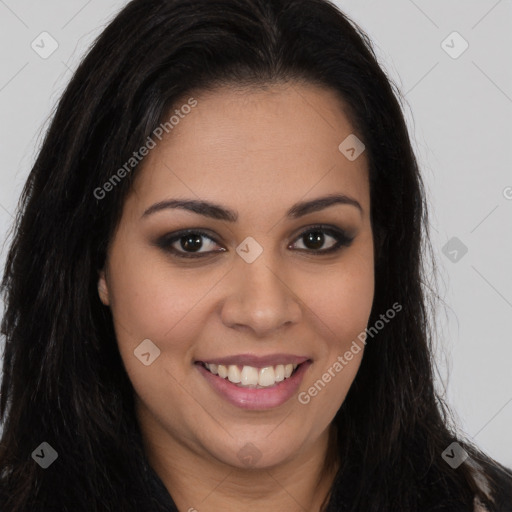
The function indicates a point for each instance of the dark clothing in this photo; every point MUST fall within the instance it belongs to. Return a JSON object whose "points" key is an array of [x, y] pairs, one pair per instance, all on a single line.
{"points": [[161, 500]]}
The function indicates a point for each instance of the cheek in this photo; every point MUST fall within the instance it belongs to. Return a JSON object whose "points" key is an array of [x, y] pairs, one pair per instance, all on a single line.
{"points": [[156, 302], [153, 302], [341, 315], [342, 301]]}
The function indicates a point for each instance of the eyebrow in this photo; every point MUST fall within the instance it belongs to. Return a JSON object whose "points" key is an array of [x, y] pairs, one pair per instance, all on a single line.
{"points": [[218, 212]]}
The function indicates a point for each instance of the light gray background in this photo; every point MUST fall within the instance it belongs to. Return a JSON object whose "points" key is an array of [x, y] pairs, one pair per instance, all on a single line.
{"points": [[459, 112]]}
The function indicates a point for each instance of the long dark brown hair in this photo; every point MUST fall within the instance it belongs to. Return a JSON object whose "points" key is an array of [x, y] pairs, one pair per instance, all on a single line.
{"points": [[63, 378]]}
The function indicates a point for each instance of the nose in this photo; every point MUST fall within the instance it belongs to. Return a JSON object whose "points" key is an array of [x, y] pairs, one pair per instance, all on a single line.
{"points": [[260, 298]]}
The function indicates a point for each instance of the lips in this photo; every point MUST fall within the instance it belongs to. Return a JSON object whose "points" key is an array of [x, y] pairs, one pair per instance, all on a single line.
{"points": [[255, 382], [254, 371]]}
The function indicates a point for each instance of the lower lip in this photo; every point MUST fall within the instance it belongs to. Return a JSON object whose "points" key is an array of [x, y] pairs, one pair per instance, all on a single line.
{"points": [[256, 398]]}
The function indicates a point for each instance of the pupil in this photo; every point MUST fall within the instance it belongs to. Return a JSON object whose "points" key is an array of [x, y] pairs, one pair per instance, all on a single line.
{"points": [[191, 242], [315, 239]]}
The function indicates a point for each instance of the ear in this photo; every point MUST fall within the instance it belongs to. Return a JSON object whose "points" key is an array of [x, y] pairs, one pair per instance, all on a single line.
{"points": [[103, 288]]}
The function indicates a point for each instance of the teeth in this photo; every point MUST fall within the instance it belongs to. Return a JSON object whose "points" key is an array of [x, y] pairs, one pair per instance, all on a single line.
{"points": [[279, 373], [252, 377], [249, 376], [267, 376], [234, 374]]}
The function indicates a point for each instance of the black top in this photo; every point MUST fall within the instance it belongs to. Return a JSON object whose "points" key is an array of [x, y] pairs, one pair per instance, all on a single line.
{"points": [[161, 500]]}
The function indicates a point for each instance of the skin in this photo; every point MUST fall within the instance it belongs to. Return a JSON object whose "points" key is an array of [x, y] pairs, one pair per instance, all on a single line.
{"points": [[255, 151]]}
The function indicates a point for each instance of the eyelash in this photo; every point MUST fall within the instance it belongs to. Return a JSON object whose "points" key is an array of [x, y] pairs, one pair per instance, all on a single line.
{"points": [[342, 240]]}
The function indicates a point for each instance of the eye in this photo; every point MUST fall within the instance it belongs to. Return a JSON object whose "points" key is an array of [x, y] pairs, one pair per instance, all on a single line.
{"points": [[316, 236], [190, 243], [187, 244]]}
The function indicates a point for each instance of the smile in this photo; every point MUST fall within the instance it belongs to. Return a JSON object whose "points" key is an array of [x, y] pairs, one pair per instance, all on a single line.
{"points": [[250, 376], [265, 383]]}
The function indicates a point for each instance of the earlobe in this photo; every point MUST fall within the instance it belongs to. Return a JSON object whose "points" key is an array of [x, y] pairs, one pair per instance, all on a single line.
{"points": [[103, 288]]}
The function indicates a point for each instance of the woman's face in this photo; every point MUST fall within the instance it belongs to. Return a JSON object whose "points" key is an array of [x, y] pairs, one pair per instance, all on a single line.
{"points": [[255, 284]]}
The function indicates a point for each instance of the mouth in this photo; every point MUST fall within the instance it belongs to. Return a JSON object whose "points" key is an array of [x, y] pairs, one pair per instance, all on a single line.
{"points": [[259, 385], [252, 377]]}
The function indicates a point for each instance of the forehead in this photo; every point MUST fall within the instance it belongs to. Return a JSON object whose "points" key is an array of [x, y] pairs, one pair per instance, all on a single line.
{"points": [[256, 145]]}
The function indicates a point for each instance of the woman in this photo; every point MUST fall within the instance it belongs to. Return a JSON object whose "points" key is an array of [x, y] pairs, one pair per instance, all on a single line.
{"points": [[213, 296]]}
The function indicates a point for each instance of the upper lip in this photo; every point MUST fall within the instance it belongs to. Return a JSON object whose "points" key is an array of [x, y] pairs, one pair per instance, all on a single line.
{"points": [[256, 361]]}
